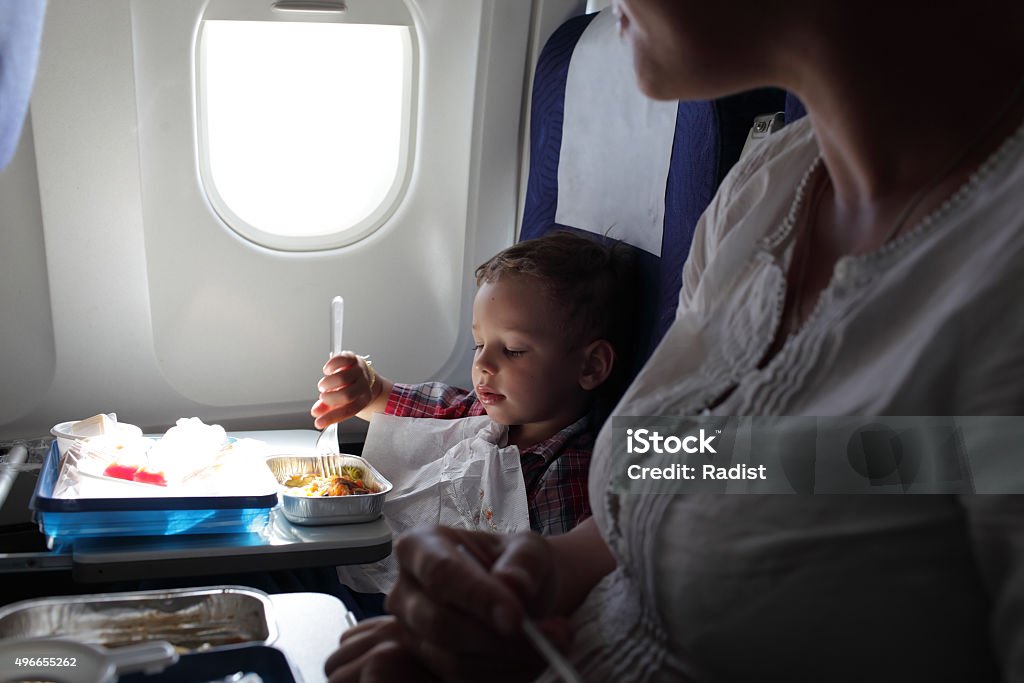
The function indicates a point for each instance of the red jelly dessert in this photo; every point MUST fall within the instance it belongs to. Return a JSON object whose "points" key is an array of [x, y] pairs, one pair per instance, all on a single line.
{"points": [[141, 475], [120, 471], [147, 477]]}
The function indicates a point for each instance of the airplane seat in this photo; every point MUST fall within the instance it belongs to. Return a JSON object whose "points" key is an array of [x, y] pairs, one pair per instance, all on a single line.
{"points": [[606, 159], [794, 109]]}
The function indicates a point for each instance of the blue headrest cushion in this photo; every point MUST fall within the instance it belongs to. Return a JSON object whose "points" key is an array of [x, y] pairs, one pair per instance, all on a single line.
{"points": [[546, 116], [794, 108]]}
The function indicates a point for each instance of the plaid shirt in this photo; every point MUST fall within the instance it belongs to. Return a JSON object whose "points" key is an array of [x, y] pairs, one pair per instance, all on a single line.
{"points": [[555, 470]]}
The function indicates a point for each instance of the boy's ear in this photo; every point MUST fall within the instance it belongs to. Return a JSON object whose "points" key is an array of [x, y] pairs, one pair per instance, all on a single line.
{"points": [[598, 360]]}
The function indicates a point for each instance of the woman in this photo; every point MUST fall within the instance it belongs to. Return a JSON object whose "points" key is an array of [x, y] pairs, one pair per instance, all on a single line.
{"points": [[864, 261]]}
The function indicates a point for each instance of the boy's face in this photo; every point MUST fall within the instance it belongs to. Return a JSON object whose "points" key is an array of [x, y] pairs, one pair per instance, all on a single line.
{"points": [[525, 371]]}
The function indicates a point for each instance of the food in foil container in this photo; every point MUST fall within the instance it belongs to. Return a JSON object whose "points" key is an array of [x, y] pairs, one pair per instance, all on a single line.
{"points": [[350, 482], [192, 620], [308, 482]]}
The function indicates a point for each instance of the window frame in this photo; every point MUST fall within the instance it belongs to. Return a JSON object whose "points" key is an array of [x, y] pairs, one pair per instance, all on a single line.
{"points": [[381, 12]]}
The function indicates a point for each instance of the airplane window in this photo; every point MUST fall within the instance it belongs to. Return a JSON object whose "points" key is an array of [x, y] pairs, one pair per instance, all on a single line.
{"points": [[304, 128]]}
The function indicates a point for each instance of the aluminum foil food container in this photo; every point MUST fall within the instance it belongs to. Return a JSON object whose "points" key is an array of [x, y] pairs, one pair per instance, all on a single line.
{"points": [[301, 509], [191, 619]]}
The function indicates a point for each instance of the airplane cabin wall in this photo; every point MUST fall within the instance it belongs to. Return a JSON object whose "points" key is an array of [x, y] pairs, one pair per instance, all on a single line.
{"points": [[124, 291], [27, 352]]}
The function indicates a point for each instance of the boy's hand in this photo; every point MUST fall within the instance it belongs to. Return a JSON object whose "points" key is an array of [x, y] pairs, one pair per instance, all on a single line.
{"points": [[344, 390]]}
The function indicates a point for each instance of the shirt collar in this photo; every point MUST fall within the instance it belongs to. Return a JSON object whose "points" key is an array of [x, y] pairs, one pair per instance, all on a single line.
{"points": [[554, 445]]}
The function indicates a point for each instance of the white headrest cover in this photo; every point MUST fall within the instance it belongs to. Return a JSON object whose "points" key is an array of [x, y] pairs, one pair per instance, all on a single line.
{"points": [[616, 144]]}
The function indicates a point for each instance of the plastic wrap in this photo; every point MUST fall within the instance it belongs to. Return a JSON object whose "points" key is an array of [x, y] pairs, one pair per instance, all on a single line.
{"points": [[191, 459], [197, 481]]}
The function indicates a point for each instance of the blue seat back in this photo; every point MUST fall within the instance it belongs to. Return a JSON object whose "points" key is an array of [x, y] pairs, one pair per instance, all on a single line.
{"points": [[794, 108], [623, 166]]}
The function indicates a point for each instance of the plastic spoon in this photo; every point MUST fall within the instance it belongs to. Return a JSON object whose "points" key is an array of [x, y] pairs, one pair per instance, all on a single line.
{"points": [[328, 441]]}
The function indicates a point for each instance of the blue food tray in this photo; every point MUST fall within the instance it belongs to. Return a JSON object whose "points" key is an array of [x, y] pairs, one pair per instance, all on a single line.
{"points": [[63, 519], [267, 662]]}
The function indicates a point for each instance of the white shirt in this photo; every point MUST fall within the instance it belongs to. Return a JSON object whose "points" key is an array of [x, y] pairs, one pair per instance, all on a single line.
{"points": [[837, 588]]}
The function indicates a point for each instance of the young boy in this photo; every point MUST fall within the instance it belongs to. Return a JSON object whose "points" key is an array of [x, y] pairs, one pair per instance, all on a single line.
{"points": [[550, 328]]}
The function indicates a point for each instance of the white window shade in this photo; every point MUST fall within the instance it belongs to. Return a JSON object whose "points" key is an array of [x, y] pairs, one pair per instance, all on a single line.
{"points": [[304, 128]]}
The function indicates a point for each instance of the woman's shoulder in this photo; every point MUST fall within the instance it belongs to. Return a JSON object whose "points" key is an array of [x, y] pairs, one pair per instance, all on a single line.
{"points": [[756, 194], [776, 155], [771, 169]]}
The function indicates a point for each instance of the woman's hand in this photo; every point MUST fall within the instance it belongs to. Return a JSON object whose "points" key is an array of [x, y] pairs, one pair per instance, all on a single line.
{"points": [[461, 620], [349, 387], [459, 604], [461, 597], [372, 651]]}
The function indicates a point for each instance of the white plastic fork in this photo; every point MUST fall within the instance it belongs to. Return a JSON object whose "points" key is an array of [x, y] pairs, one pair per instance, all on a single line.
{"points": [[327, 444]]}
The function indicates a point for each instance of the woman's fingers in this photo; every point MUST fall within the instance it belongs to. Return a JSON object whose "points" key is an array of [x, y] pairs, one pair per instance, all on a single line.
{"points": [[558, 630], [518, 660], [440, 584], [463, 618], [390, 662], [526, 567], [359, 637], [518, 663], [458, 607], [373, 652], [445, 625]]}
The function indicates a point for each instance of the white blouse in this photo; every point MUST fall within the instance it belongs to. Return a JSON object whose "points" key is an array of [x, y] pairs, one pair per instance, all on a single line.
{"points": [[813, 588]]}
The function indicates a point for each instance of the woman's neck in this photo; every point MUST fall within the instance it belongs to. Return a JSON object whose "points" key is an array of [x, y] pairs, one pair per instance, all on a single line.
{"points": [[891, 121]]}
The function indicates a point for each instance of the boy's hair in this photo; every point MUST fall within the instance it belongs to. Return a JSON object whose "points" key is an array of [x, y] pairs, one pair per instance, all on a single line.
{"points": [[595, 280], [581, 275]]}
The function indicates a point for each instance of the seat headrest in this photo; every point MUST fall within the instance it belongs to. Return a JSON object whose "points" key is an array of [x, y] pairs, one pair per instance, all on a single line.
{"points": [[606, 159], [611, 137]]}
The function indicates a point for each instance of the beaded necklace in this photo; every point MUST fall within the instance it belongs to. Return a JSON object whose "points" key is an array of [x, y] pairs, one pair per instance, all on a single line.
{"points": [[821, 180]]}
